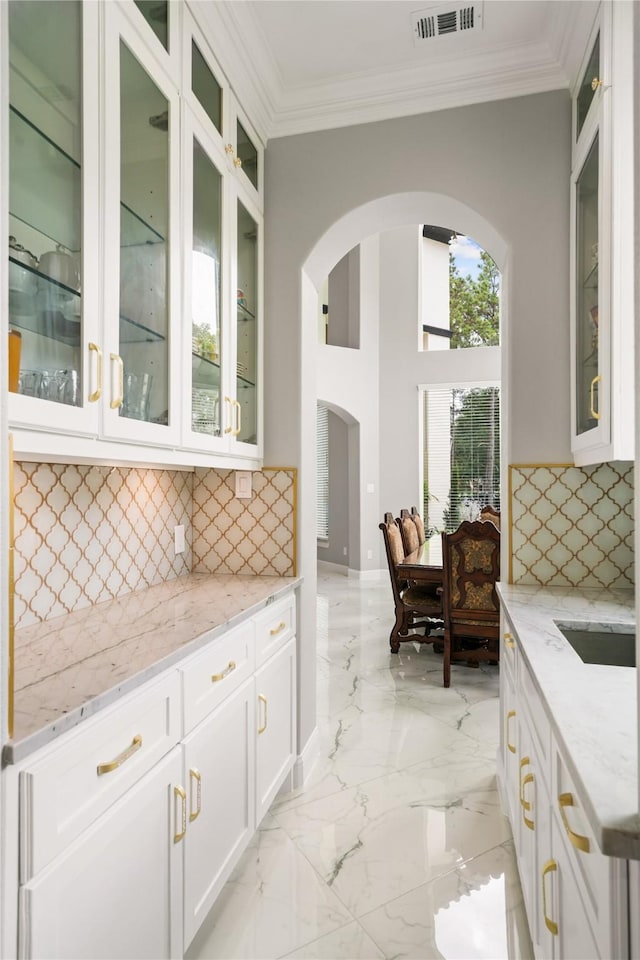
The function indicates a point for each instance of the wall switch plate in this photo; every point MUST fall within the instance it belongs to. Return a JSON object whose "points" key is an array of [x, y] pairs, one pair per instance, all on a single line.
{"points": [[244, 486], [178, 538]]}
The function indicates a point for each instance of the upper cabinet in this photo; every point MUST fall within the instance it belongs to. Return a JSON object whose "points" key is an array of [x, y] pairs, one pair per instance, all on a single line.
{"points": [[602, 186], [135, 260]]}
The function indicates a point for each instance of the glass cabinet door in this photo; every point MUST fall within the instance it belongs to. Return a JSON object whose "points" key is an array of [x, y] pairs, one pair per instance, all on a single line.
{"points": [[46, 200], [141, 365], [587, 359], [207, 405], [247, 306]]}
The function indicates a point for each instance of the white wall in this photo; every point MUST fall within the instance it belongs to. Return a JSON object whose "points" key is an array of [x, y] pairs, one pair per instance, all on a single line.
{"points": [[496, 171]]}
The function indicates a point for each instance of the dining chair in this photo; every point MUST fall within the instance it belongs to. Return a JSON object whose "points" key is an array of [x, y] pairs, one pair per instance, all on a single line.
{"points": [[470, 570], [409, 532], [416, 607]]}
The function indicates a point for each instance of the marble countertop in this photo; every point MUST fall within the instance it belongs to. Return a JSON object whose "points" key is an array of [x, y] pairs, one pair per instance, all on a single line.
{"points": [[592, 707], [69, 668]]}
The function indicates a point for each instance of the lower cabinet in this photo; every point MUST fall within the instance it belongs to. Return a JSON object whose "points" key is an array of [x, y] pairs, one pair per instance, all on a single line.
{"points": [[576, 898], [117, 890], [132, 822], [219, 764]]}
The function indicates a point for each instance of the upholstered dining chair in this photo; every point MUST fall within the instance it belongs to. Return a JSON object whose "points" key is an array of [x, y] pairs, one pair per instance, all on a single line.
{"points": [[408, 532], [470, 570], [415, 606]]}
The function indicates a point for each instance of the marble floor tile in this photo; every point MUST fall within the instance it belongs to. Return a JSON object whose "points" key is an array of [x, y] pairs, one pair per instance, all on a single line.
{"points": [[273, 902], [475, 911], [396, 846]]}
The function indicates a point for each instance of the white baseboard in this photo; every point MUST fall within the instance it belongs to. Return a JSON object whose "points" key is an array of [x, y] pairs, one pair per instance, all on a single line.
{"points": [[306, 760]]}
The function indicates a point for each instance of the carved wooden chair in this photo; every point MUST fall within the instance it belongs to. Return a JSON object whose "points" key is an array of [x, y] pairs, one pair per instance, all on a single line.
{"points": [[409, 532], [471, 568], [415, 606], [490, 513]]}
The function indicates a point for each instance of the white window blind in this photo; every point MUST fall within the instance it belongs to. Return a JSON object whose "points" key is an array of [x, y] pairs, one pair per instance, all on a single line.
{"points": [[322, 464], [461, 454]]}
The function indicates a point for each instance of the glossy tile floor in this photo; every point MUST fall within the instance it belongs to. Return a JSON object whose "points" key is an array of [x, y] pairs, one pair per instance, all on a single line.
{"points": [[396, 847]]}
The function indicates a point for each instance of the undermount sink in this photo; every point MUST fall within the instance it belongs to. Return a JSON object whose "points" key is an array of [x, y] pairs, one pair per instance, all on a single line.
{"points": [[609, 647]]}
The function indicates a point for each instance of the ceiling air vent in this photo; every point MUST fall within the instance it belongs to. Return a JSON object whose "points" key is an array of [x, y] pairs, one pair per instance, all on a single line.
{"points": [[444, 20]]}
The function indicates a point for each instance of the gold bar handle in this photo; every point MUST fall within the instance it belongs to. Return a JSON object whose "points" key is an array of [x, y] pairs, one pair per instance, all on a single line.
{"points": [[580, 843], [134, 746], [509, 641], [276, 630], [510, 746], [179, 793], [195, 774], [549, 867], [97, 393], [117, 401], [525, 804], [524, 763], [225, 673], [263, 700], [592, 410], [230, 427]]}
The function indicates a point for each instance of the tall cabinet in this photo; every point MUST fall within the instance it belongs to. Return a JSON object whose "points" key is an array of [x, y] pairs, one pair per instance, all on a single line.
{"points": [[135, 258], [602, 255]]}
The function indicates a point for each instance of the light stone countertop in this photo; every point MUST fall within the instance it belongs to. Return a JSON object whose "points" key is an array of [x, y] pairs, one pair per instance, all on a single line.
{"points": [[592, 708], [69, 668]]}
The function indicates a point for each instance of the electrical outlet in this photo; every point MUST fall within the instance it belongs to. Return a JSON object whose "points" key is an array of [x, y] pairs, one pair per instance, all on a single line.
{"points": [[178, 538]]}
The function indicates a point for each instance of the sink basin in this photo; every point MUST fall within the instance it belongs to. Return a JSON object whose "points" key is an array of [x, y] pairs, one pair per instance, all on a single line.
{"points": [[602, 646]]}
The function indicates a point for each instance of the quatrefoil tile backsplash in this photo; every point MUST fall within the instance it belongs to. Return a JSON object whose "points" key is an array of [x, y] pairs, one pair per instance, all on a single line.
{"points": [[571, 525], [84, 534]]}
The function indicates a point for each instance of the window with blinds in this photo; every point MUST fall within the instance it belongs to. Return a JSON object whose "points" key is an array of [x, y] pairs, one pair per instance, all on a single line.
{"points": [[461, 429], [322, 472]]}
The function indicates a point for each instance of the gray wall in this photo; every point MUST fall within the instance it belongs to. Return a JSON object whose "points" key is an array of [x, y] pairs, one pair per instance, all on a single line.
{"points": [[509, 161]]}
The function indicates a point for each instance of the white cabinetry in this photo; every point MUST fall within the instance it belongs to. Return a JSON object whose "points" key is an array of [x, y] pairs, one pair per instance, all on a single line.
{"points": [[132, 822], [602, 255], [152, 189], [575, 898]]}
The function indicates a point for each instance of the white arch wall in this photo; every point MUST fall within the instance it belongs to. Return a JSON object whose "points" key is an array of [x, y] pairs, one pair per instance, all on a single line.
{"points": [[507, 164]]}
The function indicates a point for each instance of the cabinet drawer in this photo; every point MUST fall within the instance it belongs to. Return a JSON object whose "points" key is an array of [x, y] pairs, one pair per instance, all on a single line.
{"points": [[211, 675], [76, 781], [601, 879], [540, 727], [274, 626]]}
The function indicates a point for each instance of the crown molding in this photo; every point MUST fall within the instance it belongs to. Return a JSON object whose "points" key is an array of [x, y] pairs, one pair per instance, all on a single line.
{"points": [[278, 111]]}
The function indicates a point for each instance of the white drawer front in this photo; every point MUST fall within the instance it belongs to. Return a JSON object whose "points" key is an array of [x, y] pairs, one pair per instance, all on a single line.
{"points": [[540, 726], [94, 765], [211, 675], [601, 879], [274, 627]]}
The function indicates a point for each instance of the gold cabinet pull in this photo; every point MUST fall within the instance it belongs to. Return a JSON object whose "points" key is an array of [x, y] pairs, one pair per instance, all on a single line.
{"points": [[580, 843], [592, 410], [510, 746], [179, 794], [528, 822], [509, 641], [117, 400], [97, 393], [230, 427], [523, 803], [225, 673], [134, 746], [263, 700], [281, 626], [195, 774], [549, 867]]}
